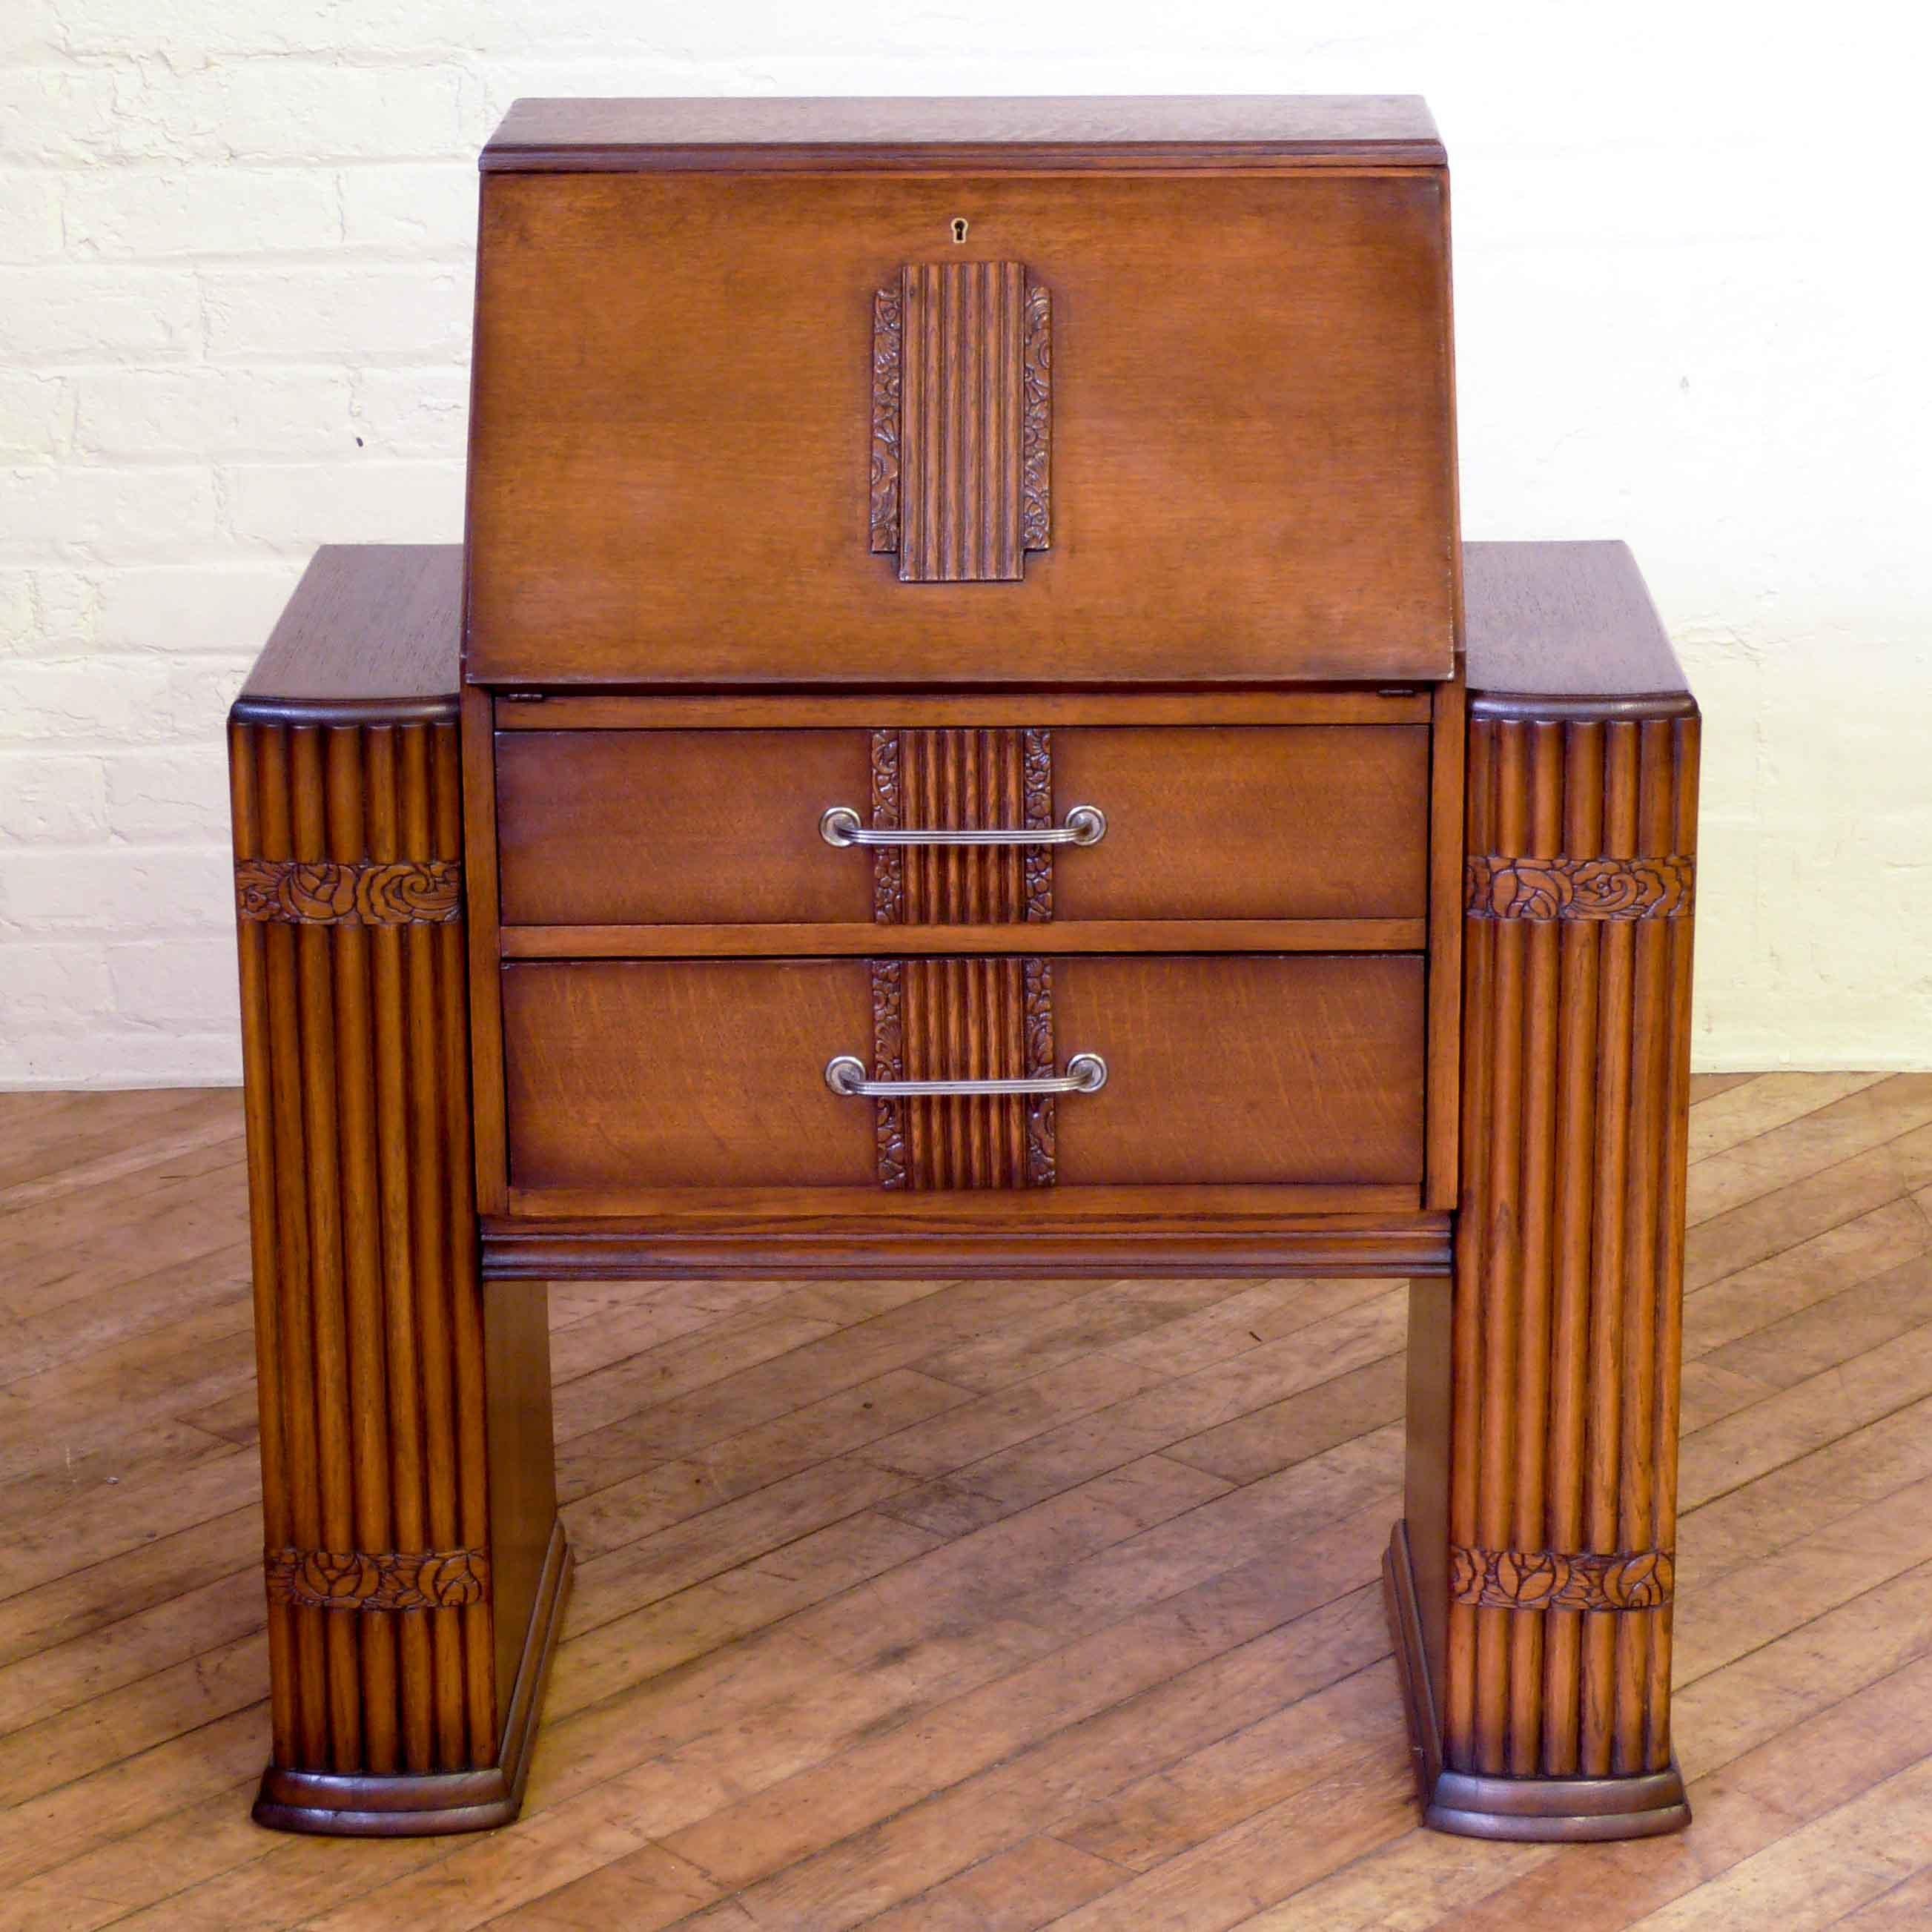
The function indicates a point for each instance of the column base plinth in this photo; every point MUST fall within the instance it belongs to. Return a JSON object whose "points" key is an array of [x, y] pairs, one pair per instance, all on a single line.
{"points": [[1545, 1810], [334, 1805]]}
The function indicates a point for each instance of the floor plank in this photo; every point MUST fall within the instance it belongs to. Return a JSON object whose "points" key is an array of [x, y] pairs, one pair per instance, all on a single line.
{"points": [[941, 1606]]}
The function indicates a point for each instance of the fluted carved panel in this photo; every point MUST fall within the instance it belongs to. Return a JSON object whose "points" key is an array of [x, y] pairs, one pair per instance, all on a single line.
{"points": [[964, 1019], [1566, 1320], [962, 405], [956, 781], [368, 1309]]}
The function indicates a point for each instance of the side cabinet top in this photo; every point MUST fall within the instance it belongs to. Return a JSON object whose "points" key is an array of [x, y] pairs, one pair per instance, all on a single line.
{"points": [[958, 393]]}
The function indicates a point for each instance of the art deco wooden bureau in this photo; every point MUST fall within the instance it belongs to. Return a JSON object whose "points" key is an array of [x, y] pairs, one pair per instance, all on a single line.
{"points": [[964, 740]]}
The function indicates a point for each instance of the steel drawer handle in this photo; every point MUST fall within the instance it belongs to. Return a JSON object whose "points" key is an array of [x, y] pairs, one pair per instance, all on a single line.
{"points": [[1086, 1073], [1086, 825]]}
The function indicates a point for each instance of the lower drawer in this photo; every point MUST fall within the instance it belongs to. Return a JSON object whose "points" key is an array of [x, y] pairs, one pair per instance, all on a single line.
{"points": [[636, 1074]]}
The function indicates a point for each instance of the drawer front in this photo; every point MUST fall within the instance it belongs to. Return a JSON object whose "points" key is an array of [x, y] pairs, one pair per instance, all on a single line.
{"points": [[750, 429], [1239, 1069], [670, 827]]}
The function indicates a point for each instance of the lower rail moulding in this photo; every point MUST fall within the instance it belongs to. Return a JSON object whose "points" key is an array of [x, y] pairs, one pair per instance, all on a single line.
{"points": [[1417, 1244]]}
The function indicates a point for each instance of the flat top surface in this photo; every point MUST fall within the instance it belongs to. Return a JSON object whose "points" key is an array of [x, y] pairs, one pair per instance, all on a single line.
{"points": [[1564, 620], [754, 132], [367, 622], [384, 621]]}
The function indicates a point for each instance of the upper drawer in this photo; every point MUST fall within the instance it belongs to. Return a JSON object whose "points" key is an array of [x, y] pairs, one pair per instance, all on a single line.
{"points": [[670, 827], [782, 428]]}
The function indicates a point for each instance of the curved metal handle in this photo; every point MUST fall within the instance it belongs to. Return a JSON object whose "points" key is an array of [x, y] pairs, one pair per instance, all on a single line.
{"points": [[1086, 825], [1086, 1073]]}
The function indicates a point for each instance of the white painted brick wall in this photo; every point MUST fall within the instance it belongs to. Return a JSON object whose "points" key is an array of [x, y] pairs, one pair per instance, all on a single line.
{"points": [[234, 261]]}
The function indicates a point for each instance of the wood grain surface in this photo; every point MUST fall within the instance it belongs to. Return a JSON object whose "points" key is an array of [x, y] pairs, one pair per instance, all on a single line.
{"points": [[1565, 619], [369, 624], [401, 1584], [1209, 131], [648, 1075], [1219, 340], [1214, 822]]}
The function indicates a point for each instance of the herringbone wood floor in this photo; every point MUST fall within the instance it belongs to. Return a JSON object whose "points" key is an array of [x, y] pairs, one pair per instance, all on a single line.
{"points": [[977, 1606]]}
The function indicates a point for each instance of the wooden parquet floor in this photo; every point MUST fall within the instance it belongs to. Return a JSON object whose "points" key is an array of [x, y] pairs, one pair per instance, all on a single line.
{"points": [[987, 1606]]}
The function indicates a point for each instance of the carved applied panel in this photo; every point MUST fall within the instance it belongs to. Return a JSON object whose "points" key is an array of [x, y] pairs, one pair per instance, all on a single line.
{"points": [[960, 781], [964, 1019], [962, 420]]}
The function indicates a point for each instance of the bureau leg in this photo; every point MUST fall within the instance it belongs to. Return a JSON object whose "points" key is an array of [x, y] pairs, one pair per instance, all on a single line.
{"points": [[1531, 1586], [416, 1567]]}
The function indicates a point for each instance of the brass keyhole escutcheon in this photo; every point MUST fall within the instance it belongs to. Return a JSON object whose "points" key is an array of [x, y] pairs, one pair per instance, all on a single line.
{"points": [[959, 228]]}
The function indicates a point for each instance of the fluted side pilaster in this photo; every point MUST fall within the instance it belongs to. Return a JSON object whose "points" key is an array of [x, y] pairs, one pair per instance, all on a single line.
{"points": [[1566, 1319], [348, 844]]}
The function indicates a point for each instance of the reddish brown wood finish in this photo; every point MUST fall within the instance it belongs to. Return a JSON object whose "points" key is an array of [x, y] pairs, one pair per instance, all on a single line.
{"points": [[1221, 339], [1539, 1647], [962, 417], [396, 1633], [1026, 132], [1100, 935], [1218, 823], [527, 710], [650, 1075], [1141, 1232], [1353, 955]]}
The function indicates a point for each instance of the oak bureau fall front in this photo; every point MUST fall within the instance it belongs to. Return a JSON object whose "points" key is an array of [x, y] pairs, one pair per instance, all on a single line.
{"points": [[963, 739]]}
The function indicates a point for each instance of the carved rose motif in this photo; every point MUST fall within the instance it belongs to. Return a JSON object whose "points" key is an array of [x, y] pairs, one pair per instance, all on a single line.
{"points": [[1542, 1579], [305, 892], [358, 1580], [1609, 888], [1640, 1583]]}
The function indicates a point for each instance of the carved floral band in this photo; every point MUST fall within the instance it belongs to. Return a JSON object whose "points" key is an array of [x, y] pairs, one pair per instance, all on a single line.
{"points": [[1543, 889], [305, 892], [324, 1579], [1542, 1579]]}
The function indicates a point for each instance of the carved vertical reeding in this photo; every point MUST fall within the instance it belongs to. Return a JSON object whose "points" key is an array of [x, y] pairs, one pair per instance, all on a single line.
{"points": [[962, 421], [988, 1019], [355, 1044], [962, 781], [1568, 1282]]}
